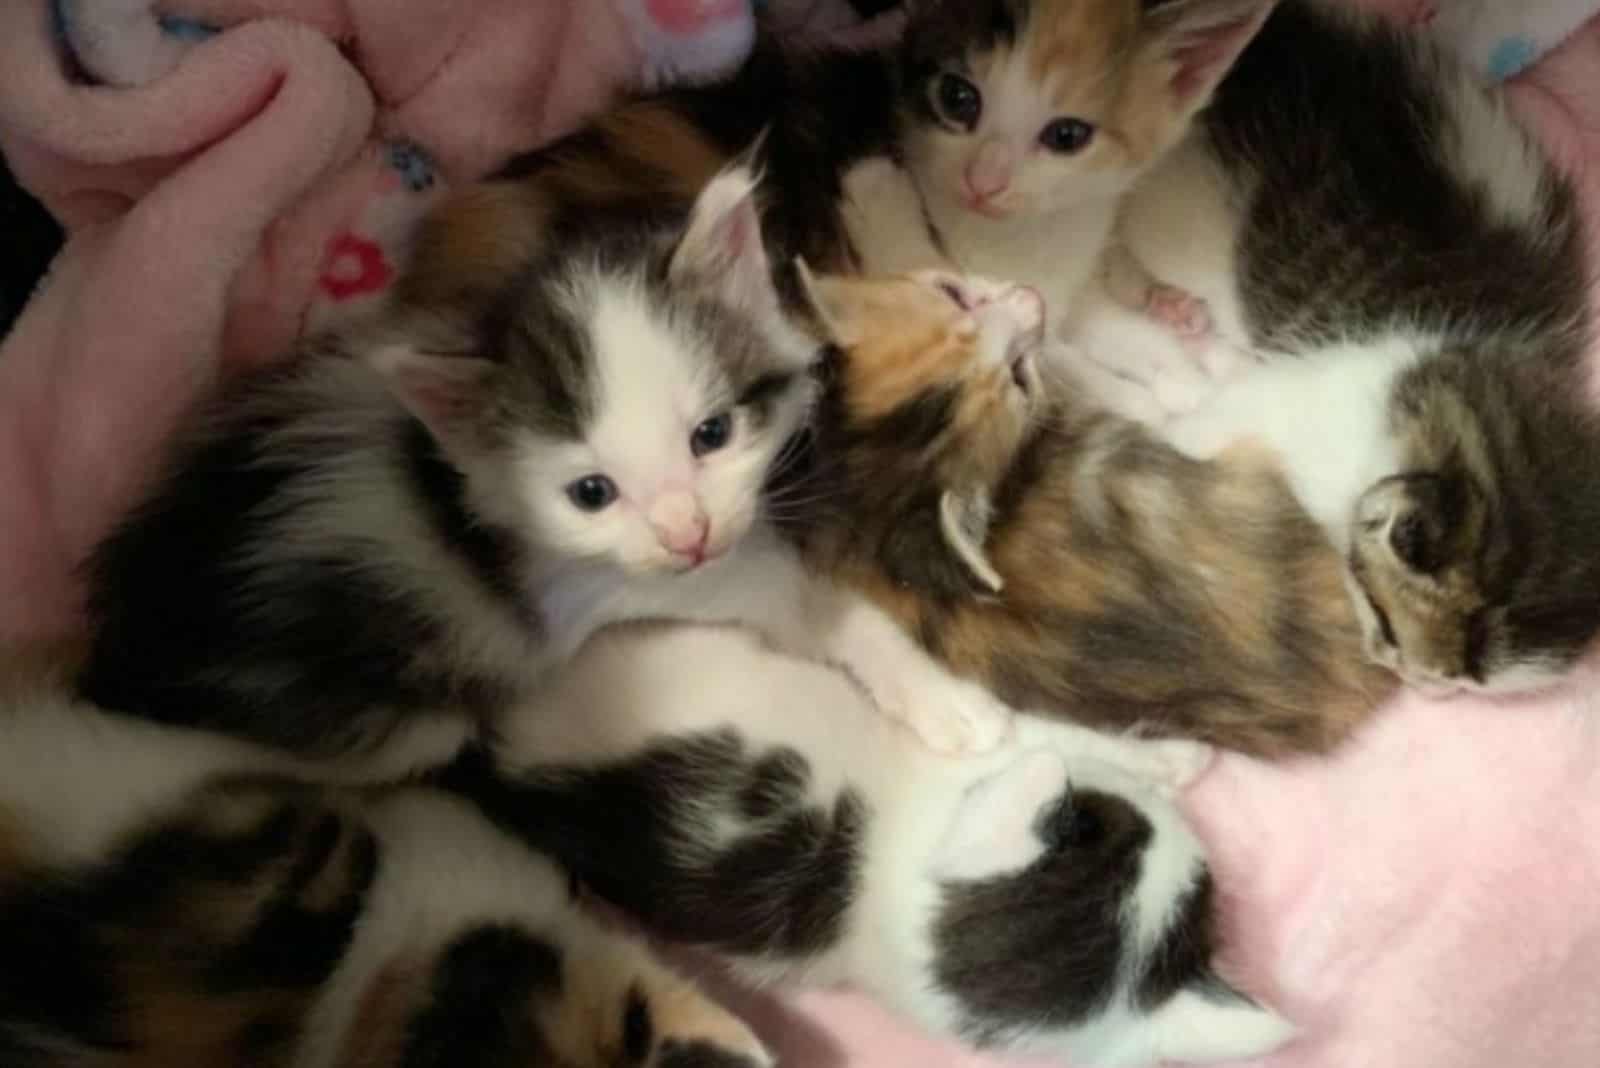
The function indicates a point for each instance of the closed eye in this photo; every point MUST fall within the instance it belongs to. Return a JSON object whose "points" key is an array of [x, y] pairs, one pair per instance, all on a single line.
{"points": [[953, 291]]}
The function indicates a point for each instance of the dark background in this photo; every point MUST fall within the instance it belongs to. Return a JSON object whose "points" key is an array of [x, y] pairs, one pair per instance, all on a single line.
{"points": [[29, 239]]}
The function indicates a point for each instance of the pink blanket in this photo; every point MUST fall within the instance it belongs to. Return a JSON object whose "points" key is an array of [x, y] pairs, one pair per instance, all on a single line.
{"points": [[1430, 899]]}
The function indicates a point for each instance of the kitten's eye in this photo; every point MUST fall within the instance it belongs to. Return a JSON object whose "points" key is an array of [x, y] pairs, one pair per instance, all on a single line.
{"points": [[953, 291], [712, 434], [958, 100], [592, 493], [1066, 136]]}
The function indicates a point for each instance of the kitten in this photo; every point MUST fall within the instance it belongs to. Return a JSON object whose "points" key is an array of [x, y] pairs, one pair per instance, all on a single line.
{"points": [[362, 554], [1047, 897], [367, 555], [1017, 145], [1397, 282], [1060, 555], [171, 898]]}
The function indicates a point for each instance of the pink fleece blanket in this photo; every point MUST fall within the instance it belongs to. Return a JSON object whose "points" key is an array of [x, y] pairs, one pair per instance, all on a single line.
{"points": [[1429, 899]]}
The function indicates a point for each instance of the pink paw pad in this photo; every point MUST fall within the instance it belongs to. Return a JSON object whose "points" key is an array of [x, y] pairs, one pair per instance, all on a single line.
{"points": [[1181, 311]]}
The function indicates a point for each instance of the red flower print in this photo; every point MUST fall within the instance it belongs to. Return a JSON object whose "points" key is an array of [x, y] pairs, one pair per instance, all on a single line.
{"points": [[355, 266]]}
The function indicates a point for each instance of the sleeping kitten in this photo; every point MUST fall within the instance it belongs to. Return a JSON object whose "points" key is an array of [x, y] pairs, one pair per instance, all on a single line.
{"points": [[169, 898], [363, 557], [1396, 279], [1063, 556], [1047, 897], [1017, 143]]}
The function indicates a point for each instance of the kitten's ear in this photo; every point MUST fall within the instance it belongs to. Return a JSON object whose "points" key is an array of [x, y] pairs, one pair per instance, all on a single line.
{"points": [[722, 246], [448, 394], [1196, 43], [996, 829], [828, 300], [964, 524]]}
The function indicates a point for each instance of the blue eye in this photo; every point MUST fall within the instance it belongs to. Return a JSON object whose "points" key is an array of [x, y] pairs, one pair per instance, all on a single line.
{"points": [[1066, 136], [957, 100], [591, 493], [712, 434]]}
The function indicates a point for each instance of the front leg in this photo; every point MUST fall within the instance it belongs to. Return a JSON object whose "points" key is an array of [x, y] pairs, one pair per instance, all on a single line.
{"points": [[949, 713]]}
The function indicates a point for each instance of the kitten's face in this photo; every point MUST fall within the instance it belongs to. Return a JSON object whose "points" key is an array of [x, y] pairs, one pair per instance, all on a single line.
{"points": [[683, 409], [945, 366], [633, 397], [1017, 108]]}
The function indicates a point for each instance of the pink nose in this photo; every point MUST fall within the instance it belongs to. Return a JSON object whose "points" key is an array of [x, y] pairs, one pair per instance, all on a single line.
{"points": [[680, 526], [687, 540], [985, 184]]}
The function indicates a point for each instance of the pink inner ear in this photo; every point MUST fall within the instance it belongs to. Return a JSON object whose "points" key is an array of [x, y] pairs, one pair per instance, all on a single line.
{"points": [[744, 233], [444, 392], [1202, 56]]}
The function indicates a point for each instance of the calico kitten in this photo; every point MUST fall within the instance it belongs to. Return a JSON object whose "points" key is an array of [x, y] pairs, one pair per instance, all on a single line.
{"points": [[1046, 897], [170, 898], [1018, 144], [1061, 555], [364, 557], [1398, 273]]}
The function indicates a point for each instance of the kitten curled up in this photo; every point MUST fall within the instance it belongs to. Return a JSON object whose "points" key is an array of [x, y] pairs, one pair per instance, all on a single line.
{"points": [[1061, 555], [1397, 285], [362, 557], [1046, 897], [169, 897]]}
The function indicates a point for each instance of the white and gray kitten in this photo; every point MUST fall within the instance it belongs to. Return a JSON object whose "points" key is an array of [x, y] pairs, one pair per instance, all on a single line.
{"points": [[1045, 897], [363, 556], [1395, 282]]}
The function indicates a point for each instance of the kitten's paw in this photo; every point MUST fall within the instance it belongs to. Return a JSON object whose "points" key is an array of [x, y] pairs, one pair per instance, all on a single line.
{"points": [[962, 720], [1180, 393], [1180, 311]]}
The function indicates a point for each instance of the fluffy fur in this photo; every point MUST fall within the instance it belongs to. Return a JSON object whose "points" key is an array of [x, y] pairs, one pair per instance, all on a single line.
{"points": [[168, 897], [1019, 180], [361, 555], [1409, 267], [364, 559], [1046, 896], [1064, 556]]}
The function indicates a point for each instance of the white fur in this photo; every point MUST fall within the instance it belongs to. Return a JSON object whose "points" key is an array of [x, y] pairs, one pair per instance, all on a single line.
{"points": [[1326, 415], [1484, 145], [76, 783], [931, 818]]}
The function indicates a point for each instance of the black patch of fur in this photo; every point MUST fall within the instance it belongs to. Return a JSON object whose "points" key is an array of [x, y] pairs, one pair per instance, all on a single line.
{"points": [[636, 833], [480, 1011], [493, 554], [70, 940], [1182, 960], [820, 113], [315, 654], [1062, 914], [638, 1029]]}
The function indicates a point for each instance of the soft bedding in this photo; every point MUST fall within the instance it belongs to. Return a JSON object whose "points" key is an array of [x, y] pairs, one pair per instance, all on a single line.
{"points": [[1428, 899]]}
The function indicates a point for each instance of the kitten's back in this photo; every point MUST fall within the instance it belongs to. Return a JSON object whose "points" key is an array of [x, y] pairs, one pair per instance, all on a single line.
{"points": [[1386, 189]]}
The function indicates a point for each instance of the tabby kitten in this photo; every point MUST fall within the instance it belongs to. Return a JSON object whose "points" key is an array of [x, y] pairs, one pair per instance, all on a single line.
{"points": [[1018, 144], [1061, 555], [1046, 897], [172, 898], [1397, 282]]}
